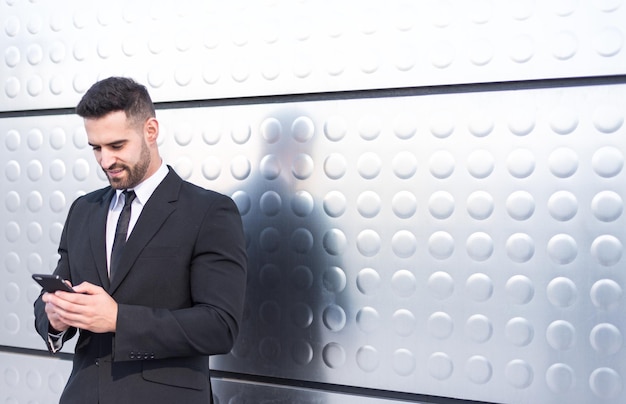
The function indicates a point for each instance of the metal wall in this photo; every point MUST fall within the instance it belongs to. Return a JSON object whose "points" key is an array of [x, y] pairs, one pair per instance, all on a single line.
{"points": [[432, 191]]}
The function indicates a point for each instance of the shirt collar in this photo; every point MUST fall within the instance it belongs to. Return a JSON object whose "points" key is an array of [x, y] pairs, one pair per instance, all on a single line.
{"points": [[144, 189]]}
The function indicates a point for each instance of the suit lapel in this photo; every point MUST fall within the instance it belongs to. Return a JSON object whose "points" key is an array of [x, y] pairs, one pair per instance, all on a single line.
{"points": [[97, 234], [155, 212]]}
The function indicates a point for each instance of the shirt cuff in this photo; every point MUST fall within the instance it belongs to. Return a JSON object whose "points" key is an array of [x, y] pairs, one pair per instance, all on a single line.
{"points": [[56, 341]]}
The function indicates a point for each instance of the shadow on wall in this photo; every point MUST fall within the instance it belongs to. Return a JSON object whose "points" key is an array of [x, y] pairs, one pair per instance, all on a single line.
{"points": [[294, 283]]}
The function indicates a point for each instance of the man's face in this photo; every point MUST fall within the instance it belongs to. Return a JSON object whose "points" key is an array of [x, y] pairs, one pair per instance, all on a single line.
{"points": [[120, 149]]}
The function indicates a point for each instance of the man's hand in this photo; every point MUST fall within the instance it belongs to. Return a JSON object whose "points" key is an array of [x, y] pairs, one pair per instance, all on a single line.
{"points": [[90, 308]]}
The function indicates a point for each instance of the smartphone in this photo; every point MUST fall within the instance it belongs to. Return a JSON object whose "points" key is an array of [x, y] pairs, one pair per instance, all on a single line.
{"points": [[52, 283]]}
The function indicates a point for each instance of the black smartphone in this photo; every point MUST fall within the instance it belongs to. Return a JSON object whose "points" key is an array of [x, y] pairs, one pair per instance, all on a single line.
{"points": [[52, 283]]}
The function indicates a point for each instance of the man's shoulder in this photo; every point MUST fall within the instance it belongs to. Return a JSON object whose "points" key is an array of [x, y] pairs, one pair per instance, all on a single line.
{"points": [[95, 196]]}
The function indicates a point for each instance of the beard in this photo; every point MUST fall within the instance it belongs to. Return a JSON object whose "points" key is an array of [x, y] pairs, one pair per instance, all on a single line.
{"points": [[135, 174]]}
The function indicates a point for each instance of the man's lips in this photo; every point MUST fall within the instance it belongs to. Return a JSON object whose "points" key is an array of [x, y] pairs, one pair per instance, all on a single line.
{"points": [[116, 172]]}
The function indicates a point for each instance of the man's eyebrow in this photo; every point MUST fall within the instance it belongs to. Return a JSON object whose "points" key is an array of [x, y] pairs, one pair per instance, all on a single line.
{"points": [[108, 144]]}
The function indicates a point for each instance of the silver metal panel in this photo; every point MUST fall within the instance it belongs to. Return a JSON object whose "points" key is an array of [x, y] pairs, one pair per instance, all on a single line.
{"points": [[52, 51], [234, 391], [31, 379], [465, 245]]}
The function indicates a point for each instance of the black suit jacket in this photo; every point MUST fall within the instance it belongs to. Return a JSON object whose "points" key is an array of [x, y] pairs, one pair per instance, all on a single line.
{"points": [[180, 294]]}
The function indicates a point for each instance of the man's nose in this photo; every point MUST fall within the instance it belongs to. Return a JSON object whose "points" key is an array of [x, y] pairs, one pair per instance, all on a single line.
{"points": [[107, 159]]}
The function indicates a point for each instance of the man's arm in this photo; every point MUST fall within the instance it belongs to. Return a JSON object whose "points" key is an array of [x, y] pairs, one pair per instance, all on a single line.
{"points": [[217, 279]]}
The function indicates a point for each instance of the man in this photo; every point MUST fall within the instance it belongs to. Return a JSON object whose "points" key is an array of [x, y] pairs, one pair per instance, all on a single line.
{"points": [[150, 315]]}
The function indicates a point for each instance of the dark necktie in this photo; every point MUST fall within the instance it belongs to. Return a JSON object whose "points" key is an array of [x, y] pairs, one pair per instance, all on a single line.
{"points": [[121, 232]]}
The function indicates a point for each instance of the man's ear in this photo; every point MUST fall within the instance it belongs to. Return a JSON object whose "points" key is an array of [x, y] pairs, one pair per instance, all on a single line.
{"points": [[151, 130]]}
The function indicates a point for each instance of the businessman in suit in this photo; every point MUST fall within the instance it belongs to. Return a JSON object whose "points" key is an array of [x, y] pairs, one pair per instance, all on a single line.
{"points": [[154, 301]]}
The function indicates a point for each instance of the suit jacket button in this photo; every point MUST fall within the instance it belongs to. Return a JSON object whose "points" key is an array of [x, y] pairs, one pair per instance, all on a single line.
{"points": [[97, 362], [132, 355]]}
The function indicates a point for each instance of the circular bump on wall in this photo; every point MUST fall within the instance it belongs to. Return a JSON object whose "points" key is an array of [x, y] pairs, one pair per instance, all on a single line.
{"points": [[520, 205], [334, 355], [563, 121], [441, 164], [404, 165], [478, 328], [269, 239], [369, 165], [368, 358], [520, 247], [212, 168], [607, 161], [440, 325], [563, 162], [334, 204], [270, 167], [521, 163], [562, 249], [302, 166], [441, 205], [480, 205], [368, 204], [302, 203], [368, 319], [243, 202], [608, 42], [403, 283], [607, 250], [301, 241], [404, 322], [560, 378], [605, 383], [302, 129], [335, 128], [607, 206], [606, 294], [441, 245], [335, 166], [334, 318], [478, 369], [34, 202], [480, 164], [608, 118], [479, 287], [519, 373], [368, 242], [403, 362], [519, 289], [521, 121], [403, 244], [335, 242], [563, 206], [519, 331], [301, 278], [369, 127], [441, 285], [301, 315], [368, 281], [34, 170], [479, 246], [240, 167], [564, 45], [334, 279], [562, 292], [440, 366], [302, 352], [606, 339], [561, 335]]}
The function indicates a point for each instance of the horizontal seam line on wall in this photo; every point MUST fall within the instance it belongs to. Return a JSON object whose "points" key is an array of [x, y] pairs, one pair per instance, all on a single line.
{"points": [[359, 94], [282, 382]]}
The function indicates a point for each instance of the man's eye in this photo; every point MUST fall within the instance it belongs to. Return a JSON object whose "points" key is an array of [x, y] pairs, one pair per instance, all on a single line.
{"points": [[95, 148]]}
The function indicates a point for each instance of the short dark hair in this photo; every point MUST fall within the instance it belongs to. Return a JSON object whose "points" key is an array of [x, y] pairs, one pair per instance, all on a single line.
{"points": [[117, 94]]}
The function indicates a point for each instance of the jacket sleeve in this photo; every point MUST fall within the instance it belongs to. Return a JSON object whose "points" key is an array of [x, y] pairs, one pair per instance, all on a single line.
{"points": [[42, 325], [217, 278]]}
